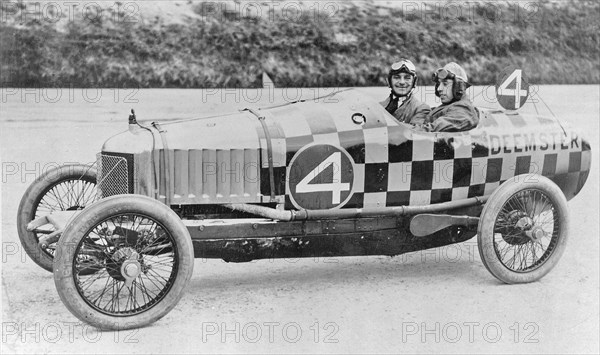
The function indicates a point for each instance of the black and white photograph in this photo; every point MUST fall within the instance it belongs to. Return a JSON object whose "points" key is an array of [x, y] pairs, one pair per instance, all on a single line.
{"points": [[300, 176]]}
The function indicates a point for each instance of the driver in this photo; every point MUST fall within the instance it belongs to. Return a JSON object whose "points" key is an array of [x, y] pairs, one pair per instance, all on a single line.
{"points": [[456, 113], [402, 79]]}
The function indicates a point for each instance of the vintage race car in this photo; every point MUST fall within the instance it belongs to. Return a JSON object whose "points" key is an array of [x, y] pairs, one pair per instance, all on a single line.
{"points": [[336, 176]]}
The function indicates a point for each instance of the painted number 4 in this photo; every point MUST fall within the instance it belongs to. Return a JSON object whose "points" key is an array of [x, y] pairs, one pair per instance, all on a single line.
{"points": [[336, 186], [511, 98]]}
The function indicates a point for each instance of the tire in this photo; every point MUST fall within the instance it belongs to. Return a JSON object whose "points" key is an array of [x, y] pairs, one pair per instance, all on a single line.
{"points": [[112, 235], [523, 229], [69, 187]]}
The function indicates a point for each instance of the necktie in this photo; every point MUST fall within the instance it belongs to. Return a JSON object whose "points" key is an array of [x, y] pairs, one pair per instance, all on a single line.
{"points": [[393, 105]]}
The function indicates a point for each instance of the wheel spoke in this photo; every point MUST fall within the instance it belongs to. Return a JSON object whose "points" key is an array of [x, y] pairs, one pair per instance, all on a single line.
{"points": [[63, 196], [514, 248], [113, 238]]}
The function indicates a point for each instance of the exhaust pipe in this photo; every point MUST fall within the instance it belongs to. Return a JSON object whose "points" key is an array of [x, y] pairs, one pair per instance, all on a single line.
{"points": [[303, 215]]}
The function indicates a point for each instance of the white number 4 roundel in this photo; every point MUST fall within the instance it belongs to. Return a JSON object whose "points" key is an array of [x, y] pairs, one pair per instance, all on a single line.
{"points": [[320, 177], [512, 88]]}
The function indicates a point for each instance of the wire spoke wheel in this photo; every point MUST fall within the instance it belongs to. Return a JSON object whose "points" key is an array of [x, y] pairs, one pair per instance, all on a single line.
{"points": [[71, 194], [523, 229], [526, 231], [137, 264], [67, 188], [142, 255]]}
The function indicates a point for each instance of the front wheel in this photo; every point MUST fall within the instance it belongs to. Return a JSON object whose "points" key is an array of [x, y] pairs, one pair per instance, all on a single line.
{"points": [[143, 254], [66, 188], [523, 229]]}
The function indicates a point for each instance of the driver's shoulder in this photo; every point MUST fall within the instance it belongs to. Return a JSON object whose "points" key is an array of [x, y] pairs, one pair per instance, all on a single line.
{"points": [[416, 103], [459, 105]]}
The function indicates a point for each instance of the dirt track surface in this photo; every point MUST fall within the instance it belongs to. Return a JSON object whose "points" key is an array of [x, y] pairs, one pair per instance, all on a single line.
{"points": [[440, 300]]}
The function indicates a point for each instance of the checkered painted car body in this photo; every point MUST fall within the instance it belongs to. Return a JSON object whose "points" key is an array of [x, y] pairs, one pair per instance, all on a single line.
{"points": [[396, 165], [225, 159]]}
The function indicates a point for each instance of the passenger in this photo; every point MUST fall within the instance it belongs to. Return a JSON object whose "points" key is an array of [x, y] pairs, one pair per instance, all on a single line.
{"points": [[456, 113], [402, 79]]}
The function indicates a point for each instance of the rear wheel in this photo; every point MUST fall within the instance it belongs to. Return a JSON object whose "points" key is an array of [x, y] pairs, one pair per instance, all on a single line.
{"points": [[143, 255], [67, 188], [523, 229]]}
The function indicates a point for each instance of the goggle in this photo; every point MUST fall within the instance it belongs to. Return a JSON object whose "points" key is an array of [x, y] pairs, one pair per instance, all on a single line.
{"points": [[442, 74], [404, 65]]}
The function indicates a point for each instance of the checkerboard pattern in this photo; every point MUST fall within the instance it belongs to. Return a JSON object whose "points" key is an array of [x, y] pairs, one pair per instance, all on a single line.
{"points": [[394, 165]]}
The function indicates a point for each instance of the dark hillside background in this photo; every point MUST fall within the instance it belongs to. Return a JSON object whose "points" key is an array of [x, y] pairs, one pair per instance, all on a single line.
{"points": [[350, 45]]}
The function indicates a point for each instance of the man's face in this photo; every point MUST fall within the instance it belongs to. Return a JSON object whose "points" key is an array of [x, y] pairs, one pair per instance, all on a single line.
{"points": [[445, 90], [402, 83]]}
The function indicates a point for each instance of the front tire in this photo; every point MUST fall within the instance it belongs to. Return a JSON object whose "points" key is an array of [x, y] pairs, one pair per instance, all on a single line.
{"points": [[67, 188], [523, 229], [145, 258]]}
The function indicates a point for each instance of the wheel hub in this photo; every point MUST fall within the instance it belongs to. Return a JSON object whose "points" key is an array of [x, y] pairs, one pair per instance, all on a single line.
{"points": [[520, 222], [130, 269], [526, 228], [524, 223], [533, 232], [536, 233], [124, 265]]}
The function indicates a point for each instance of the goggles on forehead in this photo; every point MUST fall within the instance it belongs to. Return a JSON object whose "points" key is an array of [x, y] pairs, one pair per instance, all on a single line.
{"points": [[442, 74], [404, 65]]}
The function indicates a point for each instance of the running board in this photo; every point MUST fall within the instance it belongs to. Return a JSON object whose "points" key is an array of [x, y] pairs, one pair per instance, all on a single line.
{"points": [[426, 224]]}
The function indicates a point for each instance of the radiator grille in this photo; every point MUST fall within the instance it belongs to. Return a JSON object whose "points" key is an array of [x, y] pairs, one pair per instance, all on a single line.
{"points": [[114, 175]]}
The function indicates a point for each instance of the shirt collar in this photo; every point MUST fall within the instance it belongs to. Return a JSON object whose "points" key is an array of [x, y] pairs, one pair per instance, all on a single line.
{"points": [[401, 99]]}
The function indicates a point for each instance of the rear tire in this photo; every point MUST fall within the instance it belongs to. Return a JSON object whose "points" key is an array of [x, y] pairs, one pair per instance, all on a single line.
{"points": [[144, 256], [523, 229], [69, 187]]}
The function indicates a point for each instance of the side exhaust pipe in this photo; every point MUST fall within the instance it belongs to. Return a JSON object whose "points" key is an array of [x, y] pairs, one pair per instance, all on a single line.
{"points": [[303, 215]]}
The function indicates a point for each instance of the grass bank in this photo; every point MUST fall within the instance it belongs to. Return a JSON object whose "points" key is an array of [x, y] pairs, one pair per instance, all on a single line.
{"points": [[555, 43]]}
